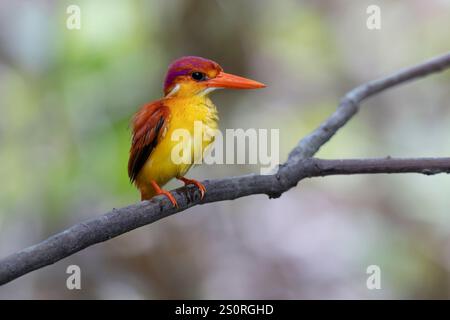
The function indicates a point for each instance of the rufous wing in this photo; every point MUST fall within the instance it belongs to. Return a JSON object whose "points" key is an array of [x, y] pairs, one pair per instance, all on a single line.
{"points": [[148, 124]]}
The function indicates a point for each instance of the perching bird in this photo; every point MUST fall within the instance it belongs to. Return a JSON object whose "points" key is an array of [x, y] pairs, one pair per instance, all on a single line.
{"points": [[188, 82]]}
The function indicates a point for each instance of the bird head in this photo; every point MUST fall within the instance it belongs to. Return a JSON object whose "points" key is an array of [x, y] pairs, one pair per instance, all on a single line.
{"points": [[191, 76]]}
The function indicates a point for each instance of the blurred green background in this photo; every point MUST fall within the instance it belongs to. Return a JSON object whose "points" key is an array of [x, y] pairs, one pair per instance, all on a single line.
{"points": [[66, 98]]}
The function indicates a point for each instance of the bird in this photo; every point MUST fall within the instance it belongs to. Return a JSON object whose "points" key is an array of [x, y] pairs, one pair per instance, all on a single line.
{"points": [[188, 82]]}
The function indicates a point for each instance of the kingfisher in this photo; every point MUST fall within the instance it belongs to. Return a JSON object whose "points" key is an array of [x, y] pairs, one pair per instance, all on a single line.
{"points": [[187, 85]]}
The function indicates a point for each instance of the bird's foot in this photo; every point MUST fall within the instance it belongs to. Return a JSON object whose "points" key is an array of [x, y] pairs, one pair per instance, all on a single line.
{"points": [[198, 184], [160, 191]]}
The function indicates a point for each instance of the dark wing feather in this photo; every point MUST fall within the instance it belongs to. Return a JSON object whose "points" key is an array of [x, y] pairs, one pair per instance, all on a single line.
{"points": [[148, 125]]}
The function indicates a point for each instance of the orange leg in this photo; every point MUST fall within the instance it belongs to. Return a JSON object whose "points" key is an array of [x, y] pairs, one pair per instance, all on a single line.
{"points": [[199, 185], [159, 191]]}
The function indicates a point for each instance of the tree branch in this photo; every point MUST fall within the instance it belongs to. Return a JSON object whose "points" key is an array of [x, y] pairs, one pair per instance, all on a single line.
{"points": [[349, 105], [427, 166], [299, 165]]}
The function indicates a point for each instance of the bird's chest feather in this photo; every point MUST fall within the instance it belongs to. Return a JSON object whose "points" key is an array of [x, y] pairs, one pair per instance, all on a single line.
{"points": [[196, 118], [186, 117], [187, 113]]}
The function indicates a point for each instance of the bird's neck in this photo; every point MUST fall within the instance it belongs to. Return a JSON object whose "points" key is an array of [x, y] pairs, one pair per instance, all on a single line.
{"points": [[196, 107]]}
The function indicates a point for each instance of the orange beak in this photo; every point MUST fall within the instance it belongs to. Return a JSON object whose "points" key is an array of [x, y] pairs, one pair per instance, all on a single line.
{"points": [[227, 80]]}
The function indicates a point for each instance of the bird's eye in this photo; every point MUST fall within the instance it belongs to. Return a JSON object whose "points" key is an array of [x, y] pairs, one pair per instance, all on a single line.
{"points": [[198, 76]]}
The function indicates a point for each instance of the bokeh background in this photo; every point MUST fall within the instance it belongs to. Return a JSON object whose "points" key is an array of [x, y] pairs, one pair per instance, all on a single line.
{"points": [[66, 98]]}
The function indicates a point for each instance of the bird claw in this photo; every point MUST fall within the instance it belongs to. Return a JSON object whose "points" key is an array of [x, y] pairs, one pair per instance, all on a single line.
{"points": [[198, 184], [170, 197], [160, 191]]}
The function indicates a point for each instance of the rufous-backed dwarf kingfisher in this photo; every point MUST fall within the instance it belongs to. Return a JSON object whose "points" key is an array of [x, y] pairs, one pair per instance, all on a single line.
{"points": [[188, 82]]}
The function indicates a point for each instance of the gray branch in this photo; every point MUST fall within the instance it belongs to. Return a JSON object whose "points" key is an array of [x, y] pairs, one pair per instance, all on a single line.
{"points": [[300, 165]]}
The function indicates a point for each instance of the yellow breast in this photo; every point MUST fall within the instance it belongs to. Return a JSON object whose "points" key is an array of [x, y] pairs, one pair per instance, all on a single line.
{"points": [[184, 112]]}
